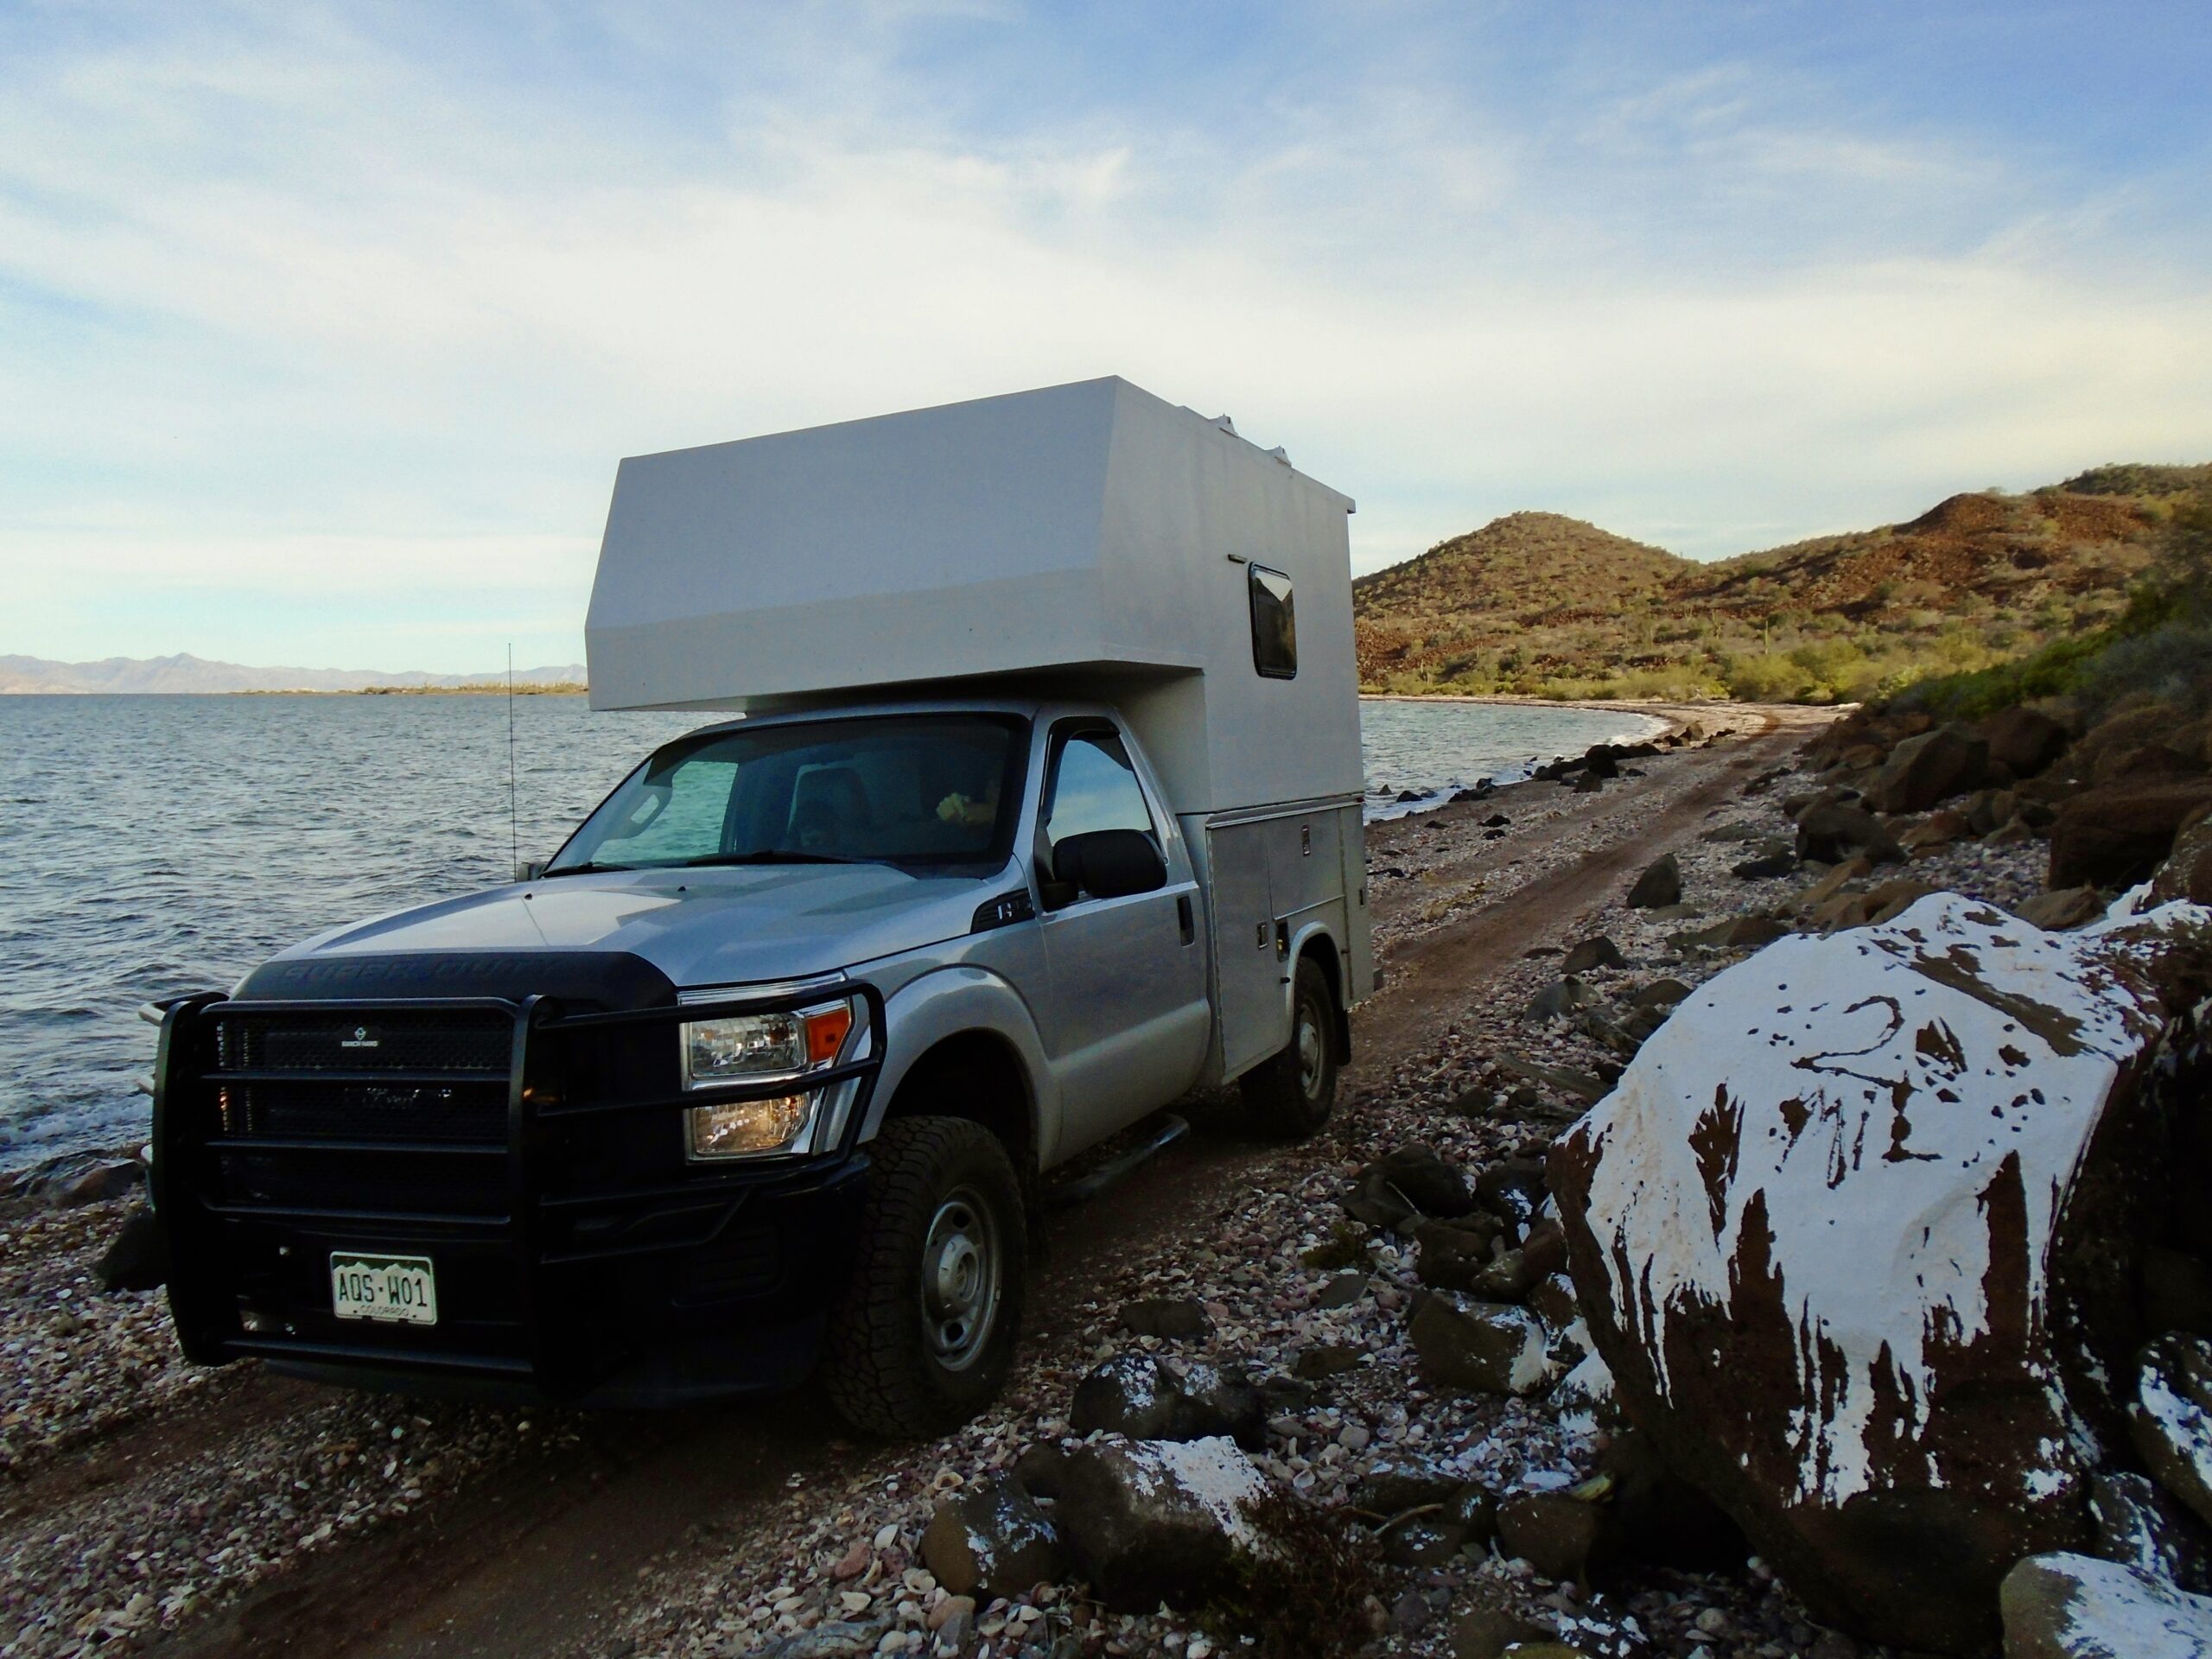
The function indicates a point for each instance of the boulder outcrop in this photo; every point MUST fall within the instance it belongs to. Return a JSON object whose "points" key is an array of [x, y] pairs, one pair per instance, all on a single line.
{"points": [[1847, 1233], [2118, 834]]}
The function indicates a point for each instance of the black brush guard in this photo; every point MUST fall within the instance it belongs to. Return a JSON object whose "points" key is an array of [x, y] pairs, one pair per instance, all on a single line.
{"points": [[584, 1200]]}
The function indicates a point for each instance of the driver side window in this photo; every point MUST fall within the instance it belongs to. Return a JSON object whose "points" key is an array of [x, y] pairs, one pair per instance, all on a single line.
{"points": [[1095, 787]]}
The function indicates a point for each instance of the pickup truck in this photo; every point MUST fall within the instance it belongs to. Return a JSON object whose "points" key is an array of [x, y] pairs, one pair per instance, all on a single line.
{"points": [[758, 1076]]}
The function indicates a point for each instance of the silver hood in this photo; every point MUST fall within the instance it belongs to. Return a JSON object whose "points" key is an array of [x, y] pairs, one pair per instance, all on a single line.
{"points": [[698, 926]]}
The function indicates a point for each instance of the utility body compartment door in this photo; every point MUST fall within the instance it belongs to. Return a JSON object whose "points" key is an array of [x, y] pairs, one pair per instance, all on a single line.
{"points": [[1248, 974]]}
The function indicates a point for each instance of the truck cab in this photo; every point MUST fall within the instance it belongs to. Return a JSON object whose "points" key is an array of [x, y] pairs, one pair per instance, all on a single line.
{"points": [[758, 1076]]}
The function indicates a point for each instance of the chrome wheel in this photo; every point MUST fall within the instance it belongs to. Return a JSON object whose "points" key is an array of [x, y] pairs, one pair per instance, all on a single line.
{"points": [[960, 1271]]}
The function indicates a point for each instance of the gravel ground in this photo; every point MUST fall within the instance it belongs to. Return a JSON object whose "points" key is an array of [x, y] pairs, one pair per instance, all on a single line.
{"points": [[85, 1569], [849, 1553]]}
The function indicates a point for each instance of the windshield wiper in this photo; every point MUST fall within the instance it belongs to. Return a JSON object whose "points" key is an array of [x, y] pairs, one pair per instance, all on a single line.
{"points": [[583, 869], [774, 856]]}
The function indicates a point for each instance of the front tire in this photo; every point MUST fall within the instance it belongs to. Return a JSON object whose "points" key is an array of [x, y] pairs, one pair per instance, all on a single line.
{"points": [[1289, 1096], [923, 1334]]}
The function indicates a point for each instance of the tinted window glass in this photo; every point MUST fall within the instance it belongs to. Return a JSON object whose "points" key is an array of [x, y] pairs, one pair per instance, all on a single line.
{"points": [[934, 790], [1274, 625], [1095, 787]]}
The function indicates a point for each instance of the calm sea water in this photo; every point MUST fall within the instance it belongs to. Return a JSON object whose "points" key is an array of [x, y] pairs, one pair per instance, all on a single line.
{"points": [[159, 844]]}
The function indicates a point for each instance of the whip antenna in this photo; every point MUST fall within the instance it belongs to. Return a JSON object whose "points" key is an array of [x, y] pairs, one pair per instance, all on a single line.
{"points": [[514, 820]]}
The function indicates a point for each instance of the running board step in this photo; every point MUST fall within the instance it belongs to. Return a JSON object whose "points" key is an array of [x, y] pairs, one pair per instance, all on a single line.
{"points": [[1084, 1188]]}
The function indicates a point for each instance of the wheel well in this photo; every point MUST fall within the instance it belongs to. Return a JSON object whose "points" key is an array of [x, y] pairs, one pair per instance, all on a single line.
{"points": [[1323, 952], [976, 1076]]}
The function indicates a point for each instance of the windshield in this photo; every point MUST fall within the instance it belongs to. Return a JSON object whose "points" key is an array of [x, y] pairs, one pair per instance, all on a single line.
{"points": [[909, 790]]}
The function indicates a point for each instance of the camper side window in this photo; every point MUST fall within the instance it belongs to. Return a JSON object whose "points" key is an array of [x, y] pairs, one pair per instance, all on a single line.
{"points": [[1274, 625]]}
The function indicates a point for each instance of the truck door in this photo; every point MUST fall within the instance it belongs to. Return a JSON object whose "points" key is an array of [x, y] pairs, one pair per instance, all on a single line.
{"points": [[1125, 1023]]}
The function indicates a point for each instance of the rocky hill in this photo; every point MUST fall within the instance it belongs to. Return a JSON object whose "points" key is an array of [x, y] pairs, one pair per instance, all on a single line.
{"points": [[1536, 604]]}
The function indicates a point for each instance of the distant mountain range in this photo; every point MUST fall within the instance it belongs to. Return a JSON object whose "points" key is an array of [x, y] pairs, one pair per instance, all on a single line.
{"points": [[186, 673]]}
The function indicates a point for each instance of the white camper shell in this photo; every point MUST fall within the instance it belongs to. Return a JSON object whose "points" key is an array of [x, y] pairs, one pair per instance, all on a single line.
{"points": [[1088, 541]]}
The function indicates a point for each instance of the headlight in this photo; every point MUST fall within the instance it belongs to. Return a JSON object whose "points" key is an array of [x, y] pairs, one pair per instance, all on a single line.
{"points": [[758, 1048]]}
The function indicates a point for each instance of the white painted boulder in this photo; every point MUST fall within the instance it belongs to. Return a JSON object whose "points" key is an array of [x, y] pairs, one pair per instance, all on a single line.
{"points": [[1849, 1235]]}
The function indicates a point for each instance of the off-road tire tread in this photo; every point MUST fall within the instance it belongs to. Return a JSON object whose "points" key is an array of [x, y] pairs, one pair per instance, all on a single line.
{"points": [[875, 1367], [1274, 1103]]}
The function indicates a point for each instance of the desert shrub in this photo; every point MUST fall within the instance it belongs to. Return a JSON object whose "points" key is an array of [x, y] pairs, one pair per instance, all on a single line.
{"points": [[1769, 677], [1308, 1597]]}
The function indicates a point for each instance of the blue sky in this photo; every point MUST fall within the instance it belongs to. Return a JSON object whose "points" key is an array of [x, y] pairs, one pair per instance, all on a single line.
{"points": [[322, 329]]}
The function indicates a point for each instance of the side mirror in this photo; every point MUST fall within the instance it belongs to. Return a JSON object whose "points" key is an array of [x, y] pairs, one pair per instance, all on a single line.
{"points": [[530, 870], [1110, 863]]}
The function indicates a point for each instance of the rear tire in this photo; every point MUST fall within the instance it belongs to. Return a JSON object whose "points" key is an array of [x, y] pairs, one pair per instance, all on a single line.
{"points": [[1289, 1096], [922, 1336]]}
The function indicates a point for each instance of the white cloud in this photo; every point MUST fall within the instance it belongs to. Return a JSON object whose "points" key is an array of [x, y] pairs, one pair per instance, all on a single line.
{"points": [[305, 314]]}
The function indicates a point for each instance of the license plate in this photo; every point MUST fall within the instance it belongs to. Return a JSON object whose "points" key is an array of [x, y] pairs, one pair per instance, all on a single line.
{"points": [[400, 1289]]}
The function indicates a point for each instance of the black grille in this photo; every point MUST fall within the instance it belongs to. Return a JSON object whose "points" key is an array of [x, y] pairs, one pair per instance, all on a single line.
{"points": [[363, 1181], [461, 1113], [403, 1041]]}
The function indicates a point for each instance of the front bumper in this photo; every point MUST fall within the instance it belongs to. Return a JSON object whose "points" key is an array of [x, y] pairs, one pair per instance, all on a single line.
{"points": [[535, 1154]]}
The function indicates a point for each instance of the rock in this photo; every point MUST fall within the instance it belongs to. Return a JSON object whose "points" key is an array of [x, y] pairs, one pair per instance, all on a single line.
{"points": [[2176, 1290], [2068, 1606], [1342, 1291], [1565, 1078], [1652, 1515], [1421, 1183], [1746, 830], [1660, 885], [1767, 867], [951, 1608], [70, 1182], [2023, 741], [1425, 1541], [1738, 933], [1829, 886], [1163, 1318], [1038, 1469], [1511, 1189], [2171, 1423], [1139, 1396], [1986, 808], [1600, 759], [1559, 999], [1496, 821], [2054, 912], [1453, 1255], [139, 1257], [1829, 834], [990, 1539], [1925, 770], [2187, 872], [2117, 834], [2139, 1526], [1554, 1532], [1947, 1096], [1326, 1359], [1508, 1279], [1938, 829], [1148, 1521], [1474, 1507], [1589, 783], [1475, 1102], [1660, 994], [1490, 1346], [1487, 1632], [1552, 1301], [2146, 761], [1880, 903], [1593, 953]]}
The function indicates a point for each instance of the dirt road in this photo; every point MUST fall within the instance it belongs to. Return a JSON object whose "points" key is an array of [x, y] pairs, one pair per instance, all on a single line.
{"points": [[554, 1540]]}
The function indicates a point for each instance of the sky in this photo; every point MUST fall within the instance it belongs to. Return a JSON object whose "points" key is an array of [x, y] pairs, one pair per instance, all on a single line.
{"points": [[322, 327]]}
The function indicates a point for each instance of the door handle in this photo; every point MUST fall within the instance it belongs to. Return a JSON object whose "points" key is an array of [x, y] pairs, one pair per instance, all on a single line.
{"points": [[1184, 918]]}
